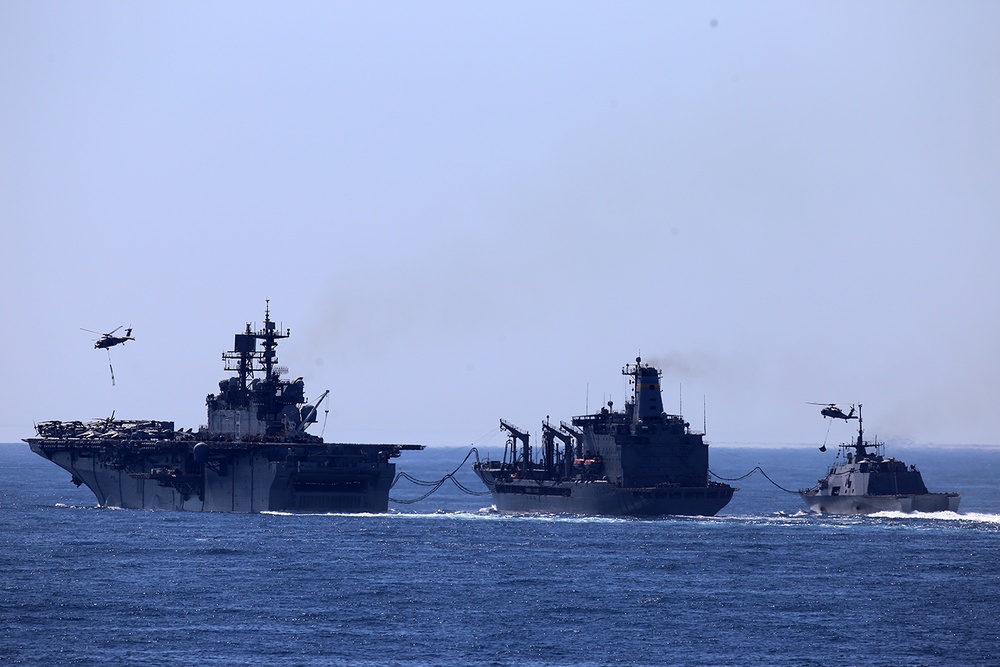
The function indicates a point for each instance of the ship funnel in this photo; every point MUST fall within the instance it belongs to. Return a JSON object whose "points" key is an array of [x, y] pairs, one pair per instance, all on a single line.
{"points": [[648, 401]]}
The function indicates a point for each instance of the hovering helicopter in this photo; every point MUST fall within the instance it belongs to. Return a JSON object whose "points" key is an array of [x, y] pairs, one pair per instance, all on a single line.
{"points": [[831, 410], [109, 339]]}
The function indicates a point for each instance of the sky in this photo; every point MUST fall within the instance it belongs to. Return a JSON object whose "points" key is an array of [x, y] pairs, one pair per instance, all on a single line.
{"points": [[467, 211]]}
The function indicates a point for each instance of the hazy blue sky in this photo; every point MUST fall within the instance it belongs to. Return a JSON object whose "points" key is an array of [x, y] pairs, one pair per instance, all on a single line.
{"points": [[473, 210]]}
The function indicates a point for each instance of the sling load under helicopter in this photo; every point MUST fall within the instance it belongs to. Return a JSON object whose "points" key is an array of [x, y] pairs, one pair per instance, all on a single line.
{"points": [[109, 340], [831, 410]]}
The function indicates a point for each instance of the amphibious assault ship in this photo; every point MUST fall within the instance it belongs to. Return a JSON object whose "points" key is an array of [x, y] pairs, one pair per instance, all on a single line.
{"points": [[254, 454], [638, 461], [868, 482]]}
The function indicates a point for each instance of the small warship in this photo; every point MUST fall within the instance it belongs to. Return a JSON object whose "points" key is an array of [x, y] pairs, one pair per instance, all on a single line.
{"points": [[639, 461], [254, 455], [869, 482]]}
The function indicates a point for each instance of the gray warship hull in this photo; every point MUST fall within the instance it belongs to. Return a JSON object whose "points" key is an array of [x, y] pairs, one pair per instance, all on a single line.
{"points": [[236, 477], [639, 461], [253, 455], [602, 498], [924, 502], [866, 481]]}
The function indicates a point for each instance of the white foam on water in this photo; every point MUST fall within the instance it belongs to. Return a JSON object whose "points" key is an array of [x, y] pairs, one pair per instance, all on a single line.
{"points": [[941, 516], [484, 514], [778, 519]]}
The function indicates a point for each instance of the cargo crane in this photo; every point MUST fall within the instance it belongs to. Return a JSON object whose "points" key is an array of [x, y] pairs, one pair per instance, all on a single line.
{"points": [[549, 436], [515, 435]]}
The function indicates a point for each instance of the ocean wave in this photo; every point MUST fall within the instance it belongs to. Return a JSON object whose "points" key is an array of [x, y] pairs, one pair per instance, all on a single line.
{"points": [[483, 514], [105, 508], [777, 519]]}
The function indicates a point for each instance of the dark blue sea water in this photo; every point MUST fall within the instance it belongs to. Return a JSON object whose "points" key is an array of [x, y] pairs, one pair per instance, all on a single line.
{"points": [[446, 582]]}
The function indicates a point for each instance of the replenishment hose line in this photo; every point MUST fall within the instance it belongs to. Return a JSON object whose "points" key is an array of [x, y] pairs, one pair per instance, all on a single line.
{"points": [[437, 484], [755, 470]]}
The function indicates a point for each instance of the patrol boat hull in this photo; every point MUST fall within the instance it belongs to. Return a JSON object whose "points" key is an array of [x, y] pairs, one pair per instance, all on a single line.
{"points": [[638, 461], [865, 481], [926, 502]]}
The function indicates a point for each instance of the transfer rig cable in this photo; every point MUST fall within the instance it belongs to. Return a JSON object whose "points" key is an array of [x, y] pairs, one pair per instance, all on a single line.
{"points": [[436, 484], [755, 470]]}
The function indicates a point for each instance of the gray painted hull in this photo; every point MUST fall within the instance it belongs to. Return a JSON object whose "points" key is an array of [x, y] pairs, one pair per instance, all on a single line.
{"points": [[248, 482], [254, 454], [860, 504], [603, 498]]}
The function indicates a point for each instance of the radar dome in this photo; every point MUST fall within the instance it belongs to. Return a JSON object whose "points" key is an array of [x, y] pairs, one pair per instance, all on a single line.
{"points": [[200, 452]]}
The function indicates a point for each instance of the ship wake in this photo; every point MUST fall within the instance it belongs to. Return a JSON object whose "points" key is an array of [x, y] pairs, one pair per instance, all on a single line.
{"points": [[976, 517]]}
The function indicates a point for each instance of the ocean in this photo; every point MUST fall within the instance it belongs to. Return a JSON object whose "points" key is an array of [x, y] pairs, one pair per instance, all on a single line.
{"points": [[446, 581]]}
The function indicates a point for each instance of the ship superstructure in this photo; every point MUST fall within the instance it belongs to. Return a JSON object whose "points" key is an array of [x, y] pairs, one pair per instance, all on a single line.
{"points": [[865, 481], [639, 461], [254, 454]]}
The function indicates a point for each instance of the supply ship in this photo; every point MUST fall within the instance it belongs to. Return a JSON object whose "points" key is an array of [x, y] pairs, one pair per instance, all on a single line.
{"points": [[254, 455], [869, 482], [639, 461]]}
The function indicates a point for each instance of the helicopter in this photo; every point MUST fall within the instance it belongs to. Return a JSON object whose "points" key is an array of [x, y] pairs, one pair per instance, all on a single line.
{"points": [[109, 339], [831, 410]]}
